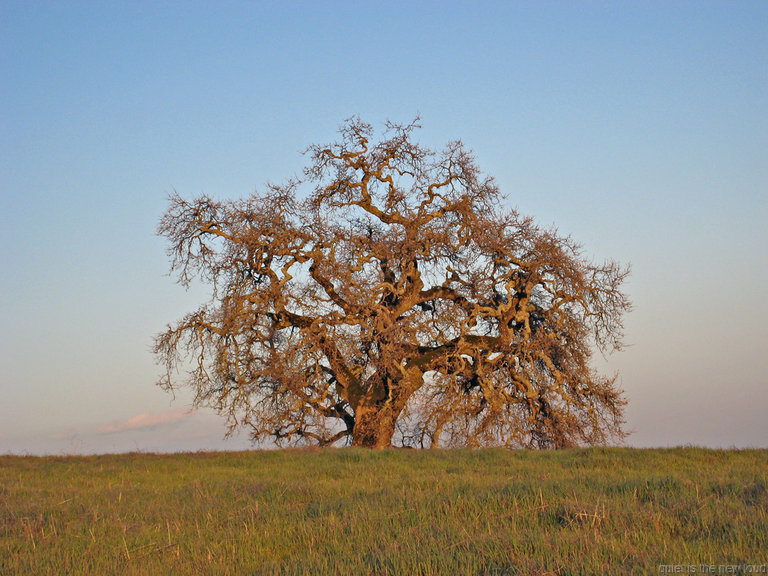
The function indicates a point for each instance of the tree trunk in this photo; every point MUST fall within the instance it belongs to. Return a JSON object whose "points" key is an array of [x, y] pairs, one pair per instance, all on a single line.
{"points": [[374, 426]]}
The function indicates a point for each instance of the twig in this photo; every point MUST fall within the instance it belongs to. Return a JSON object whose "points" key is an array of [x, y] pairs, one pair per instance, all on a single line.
{"points": [[125, 544]]}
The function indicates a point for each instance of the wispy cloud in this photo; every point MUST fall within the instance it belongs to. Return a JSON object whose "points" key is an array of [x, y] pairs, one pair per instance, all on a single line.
{"points": [[144, 420]]}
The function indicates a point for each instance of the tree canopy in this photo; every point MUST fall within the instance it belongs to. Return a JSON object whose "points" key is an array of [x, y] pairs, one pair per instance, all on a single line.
{"points": [[387, 296]]}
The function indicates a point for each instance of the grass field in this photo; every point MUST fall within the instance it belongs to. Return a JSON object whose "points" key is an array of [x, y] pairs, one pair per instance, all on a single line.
{"points": [[347, 511]]}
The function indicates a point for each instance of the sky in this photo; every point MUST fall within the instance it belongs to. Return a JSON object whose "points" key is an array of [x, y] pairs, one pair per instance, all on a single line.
{"points": [[638, 128]]}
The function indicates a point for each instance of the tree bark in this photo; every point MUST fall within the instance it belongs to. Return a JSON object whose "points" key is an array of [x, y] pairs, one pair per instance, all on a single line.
{"points": [[374, 426]]}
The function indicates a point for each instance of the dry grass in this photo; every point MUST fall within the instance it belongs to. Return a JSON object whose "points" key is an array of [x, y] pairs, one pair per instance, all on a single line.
{"points": [[490, 512]]}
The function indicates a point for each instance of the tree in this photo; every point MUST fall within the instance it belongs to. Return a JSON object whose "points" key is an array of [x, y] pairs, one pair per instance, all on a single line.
{"points": [[395, 298]]}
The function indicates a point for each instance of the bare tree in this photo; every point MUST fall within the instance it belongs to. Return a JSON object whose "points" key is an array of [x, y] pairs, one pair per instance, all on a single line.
{"points": [[395, 298]]}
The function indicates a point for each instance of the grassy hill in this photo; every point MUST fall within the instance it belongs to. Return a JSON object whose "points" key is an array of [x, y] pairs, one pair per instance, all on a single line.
{"points": [[348, 511]]}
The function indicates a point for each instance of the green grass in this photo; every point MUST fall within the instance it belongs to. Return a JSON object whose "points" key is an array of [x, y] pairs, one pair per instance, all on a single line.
{"points": [[347, 511]]}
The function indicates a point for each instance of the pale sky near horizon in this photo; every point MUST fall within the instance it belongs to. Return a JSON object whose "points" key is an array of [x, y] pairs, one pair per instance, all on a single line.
{"points": [[639, 128]]}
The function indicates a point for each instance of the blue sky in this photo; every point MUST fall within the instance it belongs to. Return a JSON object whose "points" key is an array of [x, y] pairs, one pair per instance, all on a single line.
{"points": [[640, 128]]}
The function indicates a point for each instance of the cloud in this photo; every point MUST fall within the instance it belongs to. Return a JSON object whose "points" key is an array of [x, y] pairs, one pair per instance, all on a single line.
{"points": [[144, 420]]}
